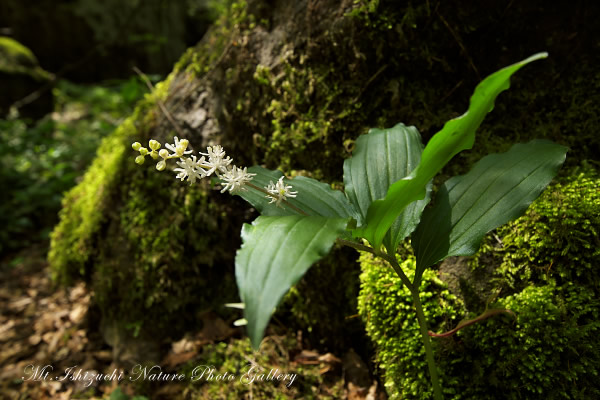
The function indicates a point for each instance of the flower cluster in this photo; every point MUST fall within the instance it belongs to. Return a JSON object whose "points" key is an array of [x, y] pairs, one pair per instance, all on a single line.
{"points": [[214, 161]]}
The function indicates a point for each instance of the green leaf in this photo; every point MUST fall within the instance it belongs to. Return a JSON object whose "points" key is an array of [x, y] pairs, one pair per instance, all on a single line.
{"points": [[498, 189], [276, 252], [314, 197], [456, 135], [382, 157]]}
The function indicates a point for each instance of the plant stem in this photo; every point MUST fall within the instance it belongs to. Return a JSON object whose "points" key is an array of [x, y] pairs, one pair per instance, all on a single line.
{"points": [[390, 259], [414, 290], [435, 381], [290, 205]]}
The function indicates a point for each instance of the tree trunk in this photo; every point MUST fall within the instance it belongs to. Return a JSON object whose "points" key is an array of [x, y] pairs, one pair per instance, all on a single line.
{"points": [[291, 85]]}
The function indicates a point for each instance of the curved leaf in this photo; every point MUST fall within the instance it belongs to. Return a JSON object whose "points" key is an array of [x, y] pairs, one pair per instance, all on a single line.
{"points": [[382, 157], [314, 198], [276, 252], [456, 135], [498, 189]]}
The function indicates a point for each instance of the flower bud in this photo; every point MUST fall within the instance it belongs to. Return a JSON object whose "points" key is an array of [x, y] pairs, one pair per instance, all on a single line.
{"points": [[143, 151], [154, 145], [164, 153], [136, 146], [139, 160], [154, 154], [161, 165]]}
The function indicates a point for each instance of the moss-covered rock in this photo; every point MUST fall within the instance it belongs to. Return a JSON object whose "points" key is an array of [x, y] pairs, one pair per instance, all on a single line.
{"points": [[291, 85], [557, 238], [385, 306], [545, 273]]}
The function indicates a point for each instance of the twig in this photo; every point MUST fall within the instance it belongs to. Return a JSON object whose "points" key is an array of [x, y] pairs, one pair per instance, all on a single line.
{"points": [[463, 324], [460, 44], [371, 79], [159, 102]]}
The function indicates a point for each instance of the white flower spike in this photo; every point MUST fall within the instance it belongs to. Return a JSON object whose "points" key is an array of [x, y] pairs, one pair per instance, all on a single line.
{"points": [[217, 162], [279, 191], [179, 148], [190, 169], [235, 179]]}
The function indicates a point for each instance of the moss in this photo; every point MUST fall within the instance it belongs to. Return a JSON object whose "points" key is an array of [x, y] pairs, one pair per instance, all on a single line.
{"points": [[546, 270], [233, 358], [85, 205], [550, 353], [18, 59], [385, 306], [555, 240], [157, 293]]}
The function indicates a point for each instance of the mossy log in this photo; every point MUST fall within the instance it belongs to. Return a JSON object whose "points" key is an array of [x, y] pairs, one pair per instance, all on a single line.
{"points": [[291, 85]]}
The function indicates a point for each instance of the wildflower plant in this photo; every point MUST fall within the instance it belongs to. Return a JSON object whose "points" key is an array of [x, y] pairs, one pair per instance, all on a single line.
{"points": [[387, 186]]}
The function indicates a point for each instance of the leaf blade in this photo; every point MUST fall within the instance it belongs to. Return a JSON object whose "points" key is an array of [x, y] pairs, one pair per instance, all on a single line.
{"points": [[498, 189], [277, 251], [314, 198], [381, 158], [456, 135]]}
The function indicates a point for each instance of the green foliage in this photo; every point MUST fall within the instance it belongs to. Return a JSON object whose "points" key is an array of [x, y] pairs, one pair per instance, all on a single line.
{"points": [[457, 134], [550, 352], [18, 59], [498, 189], [556, 239], [387, 310], [276, 253], [83, 206], [41, 160], [368, 175], [519, 176]]}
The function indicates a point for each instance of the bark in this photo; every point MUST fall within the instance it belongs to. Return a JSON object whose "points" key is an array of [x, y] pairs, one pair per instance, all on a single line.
{"points": [[291, 85]]}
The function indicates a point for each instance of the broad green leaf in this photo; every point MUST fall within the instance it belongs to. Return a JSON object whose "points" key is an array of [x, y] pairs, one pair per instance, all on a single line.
{"points": [[456, 135], [314, 197], [276, 252], [498, 189], [380, 158]]}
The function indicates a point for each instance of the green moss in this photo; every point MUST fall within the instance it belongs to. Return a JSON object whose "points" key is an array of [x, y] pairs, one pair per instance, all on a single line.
{"points": [[385, 306], [18, 59], [198, 60], [176, 250], [550, 353], [547, 272], [233, 358], [556, 239], [85, 205]]}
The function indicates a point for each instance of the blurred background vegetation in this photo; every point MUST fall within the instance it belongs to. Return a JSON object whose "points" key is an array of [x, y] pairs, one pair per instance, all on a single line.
{"points": [[67, 81]]}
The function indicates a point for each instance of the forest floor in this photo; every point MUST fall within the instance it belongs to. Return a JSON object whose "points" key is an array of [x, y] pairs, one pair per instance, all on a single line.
{"points": [[45, 325]]}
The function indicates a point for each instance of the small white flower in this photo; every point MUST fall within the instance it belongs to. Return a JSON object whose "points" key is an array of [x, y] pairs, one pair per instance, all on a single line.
{"points": [[235, 179], [179, 148], [217, 162], [190, 168], [279, 192]]}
